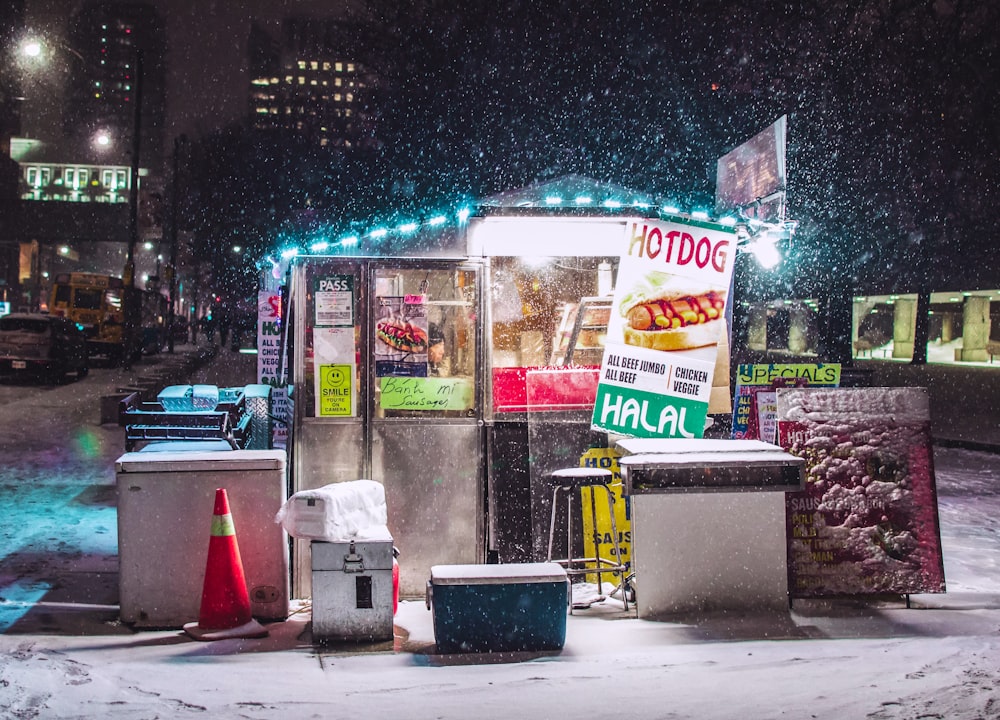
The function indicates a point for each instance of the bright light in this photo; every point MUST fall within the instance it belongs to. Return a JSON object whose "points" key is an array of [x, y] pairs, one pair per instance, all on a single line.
{"points": [[408, 227], [349, 240], [148, 245], [553, 200], [289, 253], [700, 214], [319, 246], [437, 220], [237, 249], [378, 233], [535, 262], [583, 200], [671, 210], [32, 48], [612, 204], [64, 250], [766, 252], [728, 220], [463, 214]]}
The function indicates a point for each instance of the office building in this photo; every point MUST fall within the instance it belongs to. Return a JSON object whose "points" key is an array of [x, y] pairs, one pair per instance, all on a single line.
{"points": [[315, 82]]}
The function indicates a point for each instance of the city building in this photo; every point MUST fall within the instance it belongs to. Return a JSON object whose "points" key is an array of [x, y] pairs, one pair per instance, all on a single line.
{"points": [[314, 82], [68, 185], [11, 27], [105, 85]]}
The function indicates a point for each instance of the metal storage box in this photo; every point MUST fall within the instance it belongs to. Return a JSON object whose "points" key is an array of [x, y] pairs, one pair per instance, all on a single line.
{"points": [[352, 590], [166, 494], [498, 608]]}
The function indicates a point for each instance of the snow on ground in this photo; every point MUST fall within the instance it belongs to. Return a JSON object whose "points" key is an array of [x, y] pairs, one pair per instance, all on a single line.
{"points": [[63, 653]]}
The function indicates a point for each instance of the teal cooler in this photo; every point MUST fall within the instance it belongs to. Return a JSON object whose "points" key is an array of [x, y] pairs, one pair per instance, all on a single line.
{"points": [[498, 608]]}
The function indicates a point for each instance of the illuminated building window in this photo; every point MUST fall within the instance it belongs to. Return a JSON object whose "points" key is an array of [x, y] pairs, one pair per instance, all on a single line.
{"points": [[302, 80], [338, 82], [336, 97], [289, 79], [350, 97], [302, 64], [339, 67], [350, 67]]}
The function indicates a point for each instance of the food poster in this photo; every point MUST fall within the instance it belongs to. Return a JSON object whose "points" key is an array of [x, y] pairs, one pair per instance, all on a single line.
{"points": [[599, 541], [401, 336], [753, 405], [334, 346], [867, 520], [269, 363], [667, 319]]}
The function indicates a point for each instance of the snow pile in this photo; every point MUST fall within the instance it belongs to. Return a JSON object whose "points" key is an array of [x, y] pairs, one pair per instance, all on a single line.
{"points": [[338, 512]]}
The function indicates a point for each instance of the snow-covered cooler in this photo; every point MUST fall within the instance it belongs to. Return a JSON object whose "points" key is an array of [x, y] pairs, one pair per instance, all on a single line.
{"points": [[498, 608]]}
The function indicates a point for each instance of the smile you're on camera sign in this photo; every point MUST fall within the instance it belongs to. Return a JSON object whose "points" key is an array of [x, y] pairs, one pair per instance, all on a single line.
{"points": [[667, 319]]}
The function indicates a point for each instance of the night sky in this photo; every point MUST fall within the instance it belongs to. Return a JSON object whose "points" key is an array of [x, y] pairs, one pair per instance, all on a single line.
{"points": [[207, 81], [893, 133]]}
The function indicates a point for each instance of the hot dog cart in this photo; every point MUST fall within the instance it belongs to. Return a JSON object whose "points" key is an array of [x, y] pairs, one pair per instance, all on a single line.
{"points": [[457, 364]]}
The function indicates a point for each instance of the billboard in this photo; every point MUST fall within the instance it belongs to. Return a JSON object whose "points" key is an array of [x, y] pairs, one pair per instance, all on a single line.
{"points": [[752, 176]]}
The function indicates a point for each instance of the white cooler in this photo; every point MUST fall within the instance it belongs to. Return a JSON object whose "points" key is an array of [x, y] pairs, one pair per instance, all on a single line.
{"points": [[166, 497]]}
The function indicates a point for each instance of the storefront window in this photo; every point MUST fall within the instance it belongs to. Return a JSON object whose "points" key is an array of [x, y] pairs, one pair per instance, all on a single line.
{"points": [[548, 312], [425, 340]]}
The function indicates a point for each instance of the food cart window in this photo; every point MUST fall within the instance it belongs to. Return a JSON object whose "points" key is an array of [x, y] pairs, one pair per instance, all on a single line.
{"points": [[547, 312], [332, 329], [425, 342]]}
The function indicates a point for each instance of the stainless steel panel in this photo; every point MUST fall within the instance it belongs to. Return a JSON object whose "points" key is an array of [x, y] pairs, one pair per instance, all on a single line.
{"points": [[431, 472], [325, 452], [164, 528], [328, 452]]}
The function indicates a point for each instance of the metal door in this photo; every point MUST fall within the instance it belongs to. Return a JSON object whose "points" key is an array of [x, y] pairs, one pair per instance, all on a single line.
{"points": [[386, 366]]}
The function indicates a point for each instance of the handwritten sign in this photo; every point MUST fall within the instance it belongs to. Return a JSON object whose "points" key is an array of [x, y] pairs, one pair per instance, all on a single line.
{"points": [[426, 393]]}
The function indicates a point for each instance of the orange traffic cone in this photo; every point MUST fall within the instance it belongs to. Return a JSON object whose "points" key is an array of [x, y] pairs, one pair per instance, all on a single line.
{"points": [[225, 602]]}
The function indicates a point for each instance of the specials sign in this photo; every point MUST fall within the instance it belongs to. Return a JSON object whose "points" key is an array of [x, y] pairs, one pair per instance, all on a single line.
{"points": [[666, 322]]}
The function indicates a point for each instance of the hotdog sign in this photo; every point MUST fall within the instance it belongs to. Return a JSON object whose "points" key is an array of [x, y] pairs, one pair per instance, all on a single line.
{"points": [[667, 318]]}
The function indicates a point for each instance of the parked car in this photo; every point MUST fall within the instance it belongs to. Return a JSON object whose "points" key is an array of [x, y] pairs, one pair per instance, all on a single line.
{"points": [[42, 345]]}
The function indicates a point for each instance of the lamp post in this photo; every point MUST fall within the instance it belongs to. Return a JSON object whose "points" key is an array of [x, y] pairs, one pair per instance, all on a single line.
{"points": [[133, 309]]}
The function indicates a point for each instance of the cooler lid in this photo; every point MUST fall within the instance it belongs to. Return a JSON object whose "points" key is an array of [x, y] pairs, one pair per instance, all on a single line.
{"points": [[497, 574], [163, 460]]}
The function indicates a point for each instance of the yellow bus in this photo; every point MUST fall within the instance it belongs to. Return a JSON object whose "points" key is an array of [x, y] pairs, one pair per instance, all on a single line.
{"points": [[99, 303]]}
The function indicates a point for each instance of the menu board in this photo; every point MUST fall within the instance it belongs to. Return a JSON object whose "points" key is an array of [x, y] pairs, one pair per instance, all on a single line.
{"points": [[667, 318], [867, 521], [754, 405]]}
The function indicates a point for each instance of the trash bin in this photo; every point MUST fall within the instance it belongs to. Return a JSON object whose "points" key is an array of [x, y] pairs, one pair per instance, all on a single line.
{"points": [[166, 497]]}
